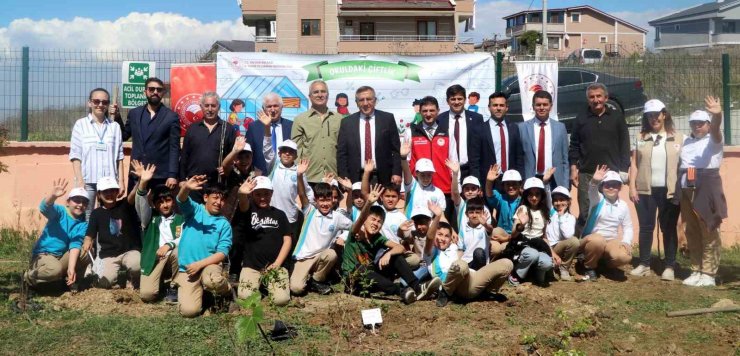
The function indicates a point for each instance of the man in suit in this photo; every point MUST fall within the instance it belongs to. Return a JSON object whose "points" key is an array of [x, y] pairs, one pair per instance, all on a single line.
{"points": [[464, 127], [155, 135], [500, 141], [369, 135], [545, 143], [269, 130]]}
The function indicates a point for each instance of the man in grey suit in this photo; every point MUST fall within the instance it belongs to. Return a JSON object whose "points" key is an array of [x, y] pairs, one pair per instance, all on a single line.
{"points": [[545, 143]]}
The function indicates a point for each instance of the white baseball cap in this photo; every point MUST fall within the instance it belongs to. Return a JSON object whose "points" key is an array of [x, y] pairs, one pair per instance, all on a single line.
{"points": [[357, 186], [533, 182], [511, 176], [106, 183], [424, 165], [247, 147], [653, 105], [471, 180], [334, 183], [263, 183], [612, 176], [288, 144], [423, 212], [700, 115], [561, 190], [78, 192]]}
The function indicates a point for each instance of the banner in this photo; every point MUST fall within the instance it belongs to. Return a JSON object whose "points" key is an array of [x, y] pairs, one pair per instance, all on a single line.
{"points": [[188, 83], [397, 80], [534, 76]]}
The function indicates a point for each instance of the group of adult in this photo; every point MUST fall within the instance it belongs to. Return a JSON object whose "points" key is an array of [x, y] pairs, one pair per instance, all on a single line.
{"points": [[667, 172]]}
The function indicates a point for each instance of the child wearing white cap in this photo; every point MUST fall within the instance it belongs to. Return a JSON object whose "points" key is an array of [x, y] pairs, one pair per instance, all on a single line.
{"points": [[606, 214], [460, 194], [115, 230], [57, 251], [505, 205], [703, 203], [420, 190], [561, 231]]}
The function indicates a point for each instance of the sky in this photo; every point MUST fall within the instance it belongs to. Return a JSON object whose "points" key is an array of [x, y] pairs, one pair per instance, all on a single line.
{"points": [[190, 24]]}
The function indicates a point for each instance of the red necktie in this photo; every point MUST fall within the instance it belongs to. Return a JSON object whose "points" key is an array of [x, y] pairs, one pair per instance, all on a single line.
{"points": [[457, 135], [368, 141], [503, 146], [541, 150]]}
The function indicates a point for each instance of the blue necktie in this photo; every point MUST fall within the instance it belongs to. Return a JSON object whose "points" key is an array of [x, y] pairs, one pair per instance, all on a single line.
{"points": [[274, 139]]}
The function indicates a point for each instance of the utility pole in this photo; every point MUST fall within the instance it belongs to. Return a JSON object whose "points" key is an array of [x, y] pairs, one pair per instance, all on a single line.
{"points": [[544, 28]]}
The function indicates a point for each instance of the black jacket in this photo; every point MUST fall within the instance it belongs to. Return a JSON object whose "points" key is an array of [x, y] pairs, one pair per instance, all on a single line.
{"points": [[255, 137], [160, 145], [514, 149], [474, 125], [387, 147]]}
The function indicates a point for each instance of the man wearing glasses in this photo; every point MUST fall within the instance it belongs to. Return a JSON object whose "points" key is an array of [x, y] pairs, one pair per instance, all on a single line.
{"points": [[599, 135], [155, 135]]}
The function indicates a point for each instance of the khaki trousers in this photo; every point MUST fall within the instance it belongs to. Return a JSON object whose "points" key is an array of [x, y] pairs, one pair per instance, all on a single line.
{"points": [[595, 247], [46, 268], [165, 267], [463, 282], [498, 247], [320, 266], [567, 249], [278, 289], [128, 260], [190, 291], [412, 259], [704, 246]]}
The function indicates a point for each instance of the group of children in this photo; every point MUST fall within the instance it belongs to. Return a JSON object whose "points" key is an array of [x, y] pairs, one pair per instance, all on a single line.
{"points": [[278, 232]]}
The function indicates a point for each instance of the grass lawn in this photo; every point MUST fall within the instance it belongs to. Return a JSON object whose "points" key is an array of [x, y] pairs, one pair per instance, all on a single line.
{"points": [[568, 318]]}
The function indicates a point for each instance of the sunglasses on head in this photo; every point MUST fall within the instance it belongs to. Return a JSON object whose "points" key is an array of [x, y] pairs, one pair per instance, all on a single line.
{"points": [[155, 89], [99, 102]]}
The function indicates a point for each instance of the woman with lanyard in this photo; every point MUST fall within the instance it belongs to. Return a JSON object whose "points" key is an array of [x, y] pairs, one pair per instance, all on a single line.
{"points": [[703, 204], [652, 183], [96, 149]]}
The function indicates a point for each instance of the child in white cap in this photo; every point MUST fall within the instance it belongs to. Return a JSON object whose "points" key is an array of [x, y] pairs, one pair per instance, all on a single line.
{"points": [[606, 214], [504, 204], [420, 190], [561, 231], [57, 251]]}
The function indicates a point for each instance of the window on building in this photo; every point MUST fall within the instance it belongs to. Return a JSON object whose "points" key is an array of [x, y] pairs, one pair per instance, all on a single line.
{"points": [[728, 27], [426, 29], [603, 39], [553, 42], [575, 17], [367, 30], [535, 17], [310, 27], [555, 17], [677, 28]]}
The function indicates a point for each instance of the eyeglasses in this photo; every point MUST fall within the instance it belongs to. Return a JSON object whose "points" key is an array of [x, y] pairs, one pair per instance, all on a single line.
{"points": [[100, 102], [155, 89]]}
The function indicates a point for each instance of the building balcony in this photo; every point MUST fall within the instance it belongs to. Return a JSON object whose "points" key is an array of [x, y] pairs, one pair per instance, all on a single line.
{"points": [[265, 39], [254, 11], [406, 44], [534, 26], [399, 38]]}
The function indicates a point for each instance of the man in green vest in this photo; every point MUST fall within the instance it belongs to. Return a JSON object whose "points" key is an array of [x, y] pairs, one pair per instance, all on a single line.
{"points": [[162, 228]]}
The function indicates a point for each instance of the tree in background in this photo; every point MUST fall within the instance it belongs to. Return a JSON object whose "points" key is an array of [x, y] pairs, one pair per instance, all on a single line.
{"points": [[528, 40]]}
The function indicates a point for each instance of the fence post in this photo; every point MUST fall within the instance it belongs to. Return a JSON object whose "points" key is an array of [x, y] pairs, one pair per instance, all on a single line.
{"points": [[499, 70], [726, 98], [24, 95]]}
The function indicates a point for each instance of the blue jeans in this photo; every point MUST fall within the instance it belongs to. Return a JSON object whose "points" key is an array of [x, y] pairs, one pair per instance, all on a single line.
{"points": [[667, 217], [530, 257], [91, 189]]}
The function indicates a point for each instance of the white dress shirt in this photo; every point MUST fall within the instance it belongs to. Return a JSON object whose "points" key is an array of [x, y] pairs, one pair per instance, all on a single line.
{"points": [[98, 147], [548, 143], [362, 137], [496, 135], [611, 216], [463, 159]]}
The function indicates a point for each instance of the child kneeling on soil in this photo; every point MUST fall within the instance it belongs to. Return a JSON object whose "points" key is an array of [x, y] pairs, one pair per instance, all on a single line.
{"points": [[561, 231], [115, 230], [363, 243], [528, 247], [458, 279], [162, 228], [205, 243], [505, 205], [57, 251], [267, 241], [606, 214], [314, 257]]}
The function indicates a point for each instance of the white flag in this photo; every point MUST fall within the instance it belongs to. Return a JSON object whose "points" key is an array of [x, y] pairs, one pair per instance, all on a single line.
{"points": [[534, 76]]}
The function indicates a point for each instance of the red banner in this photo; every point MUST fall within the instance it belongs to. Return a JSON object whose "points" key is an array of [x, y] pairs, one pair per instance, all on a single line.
{"points": [[187, 83]]}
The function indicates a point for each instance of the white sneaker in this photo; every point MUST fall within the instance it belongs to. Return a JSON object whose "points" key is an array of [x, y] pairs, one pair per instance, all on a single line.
{"points": [[692, 280], [640, 271], [667, 274], [564, 274], [706, 281]]}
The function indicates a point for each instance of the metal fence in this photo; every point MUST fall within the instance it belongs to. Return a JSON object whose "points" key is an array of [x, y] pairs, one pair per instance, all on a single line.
{"points": [[59, 82]]}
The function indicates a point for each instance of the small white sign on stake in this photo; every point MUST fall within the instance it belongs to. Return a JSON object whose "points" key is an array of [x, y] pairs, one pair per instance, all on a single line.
{"points": [[371, 317]]}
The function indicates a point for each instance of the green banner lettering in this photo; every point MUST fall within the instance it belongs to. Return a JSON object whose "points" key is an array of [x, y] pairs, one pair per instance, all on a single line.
{"points": [[363, 69]]}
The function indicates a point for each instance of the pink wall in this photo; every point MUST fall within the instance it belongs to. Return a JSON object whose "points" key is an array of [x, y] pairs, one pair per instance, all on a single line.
{"points": [[34, 165]]}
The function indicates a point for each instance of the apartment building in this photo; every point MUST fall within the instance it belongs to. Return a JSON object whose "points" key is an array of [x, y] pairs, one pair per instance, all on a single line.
{"points": [[359, 26], [579, 27], [700, 27]]}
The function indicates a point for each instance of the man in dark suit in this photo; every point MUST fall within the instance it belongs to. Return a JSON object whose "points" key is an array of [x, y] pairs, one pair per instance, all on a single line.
{"points": [[500, 142], [464, 127], [266, 134], [369, 135], [155, 135]]}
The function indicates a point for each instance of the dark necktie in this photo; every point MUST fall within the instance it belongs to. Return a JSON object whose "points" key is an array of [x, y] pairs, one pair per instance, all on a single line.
{"points": [[503, 146], [541, 150], [430, 131], [457, 136], [368, 140]]}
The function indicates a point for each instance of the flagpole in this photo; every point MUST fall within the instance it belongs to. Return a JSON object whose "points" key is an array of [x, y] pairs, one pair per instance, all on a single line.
{"points": [[543, 53]]}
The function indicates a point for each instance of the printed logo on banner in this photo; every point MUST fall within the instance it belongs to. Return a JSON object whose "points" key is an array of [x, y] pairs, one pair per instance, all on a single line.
{"points": [[188, 108], [536, 82]]}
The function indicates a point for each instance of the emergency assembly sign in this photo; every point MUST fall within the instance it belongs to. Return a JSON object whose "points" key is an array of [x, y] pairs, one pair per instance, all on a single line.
{"points": [[133, 77]]}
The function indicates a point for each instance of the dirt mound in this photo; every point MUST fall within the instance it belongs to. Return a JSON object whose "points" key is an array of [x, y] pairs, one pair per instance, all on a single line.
{"points": [[108, 301]]}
